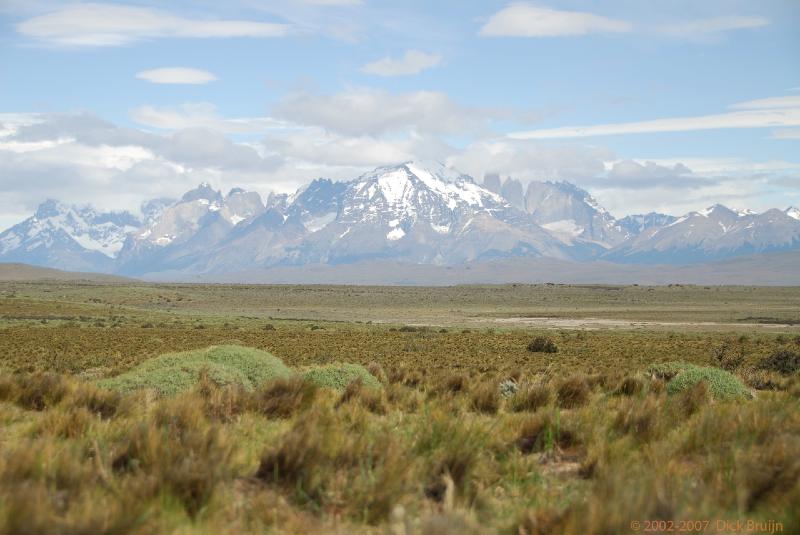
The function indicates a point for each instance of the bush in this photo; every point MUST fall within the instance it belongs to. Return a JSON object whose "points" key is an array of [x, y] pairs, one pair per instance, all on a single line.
{"points": [[178, 372], [40, 391], [531, 398], [784, 362], [284, 396], [693, 399], [668, 370], [544, 432], [486, 398], [371, 399], [339, 376], [629, 386], [760, 379], [721, 384], [376, 370], [638, 418], [542, 344], [177, 449], [324, 462], [573, 392], [453, 383]]}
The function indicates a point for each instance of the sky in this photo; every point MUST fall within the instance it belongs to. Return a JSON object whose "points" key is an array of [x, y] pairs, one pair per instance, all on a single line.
{"points": [[669, 106]]}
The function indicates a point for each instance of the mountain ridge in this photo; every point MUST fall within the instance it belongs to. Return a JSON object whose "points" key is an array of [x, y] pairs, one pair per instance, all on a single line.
{"points": [[410, 213]]}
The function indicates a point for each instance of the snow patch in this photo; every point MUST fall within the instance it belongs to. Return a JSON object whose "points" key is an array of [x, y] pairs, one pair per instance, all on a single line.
{"points": [[166, 239], [316, 223], [564, 226], [395, 234], [565, 230]]}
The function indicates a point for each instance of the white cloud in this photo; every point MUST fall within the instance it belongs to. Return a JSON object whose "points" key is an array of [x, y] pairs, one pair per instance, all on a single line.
{"points": [[176, 75], [79, 158], [713, 25], [649, 174], [530, 160], [527, 20], [359, 112], [763, 113], [201, 115], [678, 185], [724, 166], [770, 103], [413, 62], [115, 25]]}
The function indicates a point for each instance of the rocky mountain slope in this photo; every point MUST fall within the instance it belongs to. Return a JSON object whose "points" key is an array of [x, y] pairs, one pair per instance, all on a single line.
{"points": [[412, 213]]}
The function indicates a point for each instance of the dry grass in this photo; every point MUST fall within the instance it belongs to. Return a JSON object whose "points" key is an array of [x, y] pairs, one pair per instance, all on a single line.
{"points": [[590, 441]]}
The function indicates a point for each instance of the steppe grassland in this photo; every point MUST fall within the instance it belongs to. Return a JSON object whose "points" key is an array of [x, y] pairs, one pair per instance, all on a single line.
{"points": [[585, 441]]}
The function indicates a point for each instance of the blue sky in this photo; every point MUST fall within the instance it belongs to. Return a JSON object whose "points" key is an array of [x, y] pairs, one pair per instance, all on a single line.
{"points": [[649, 105]]}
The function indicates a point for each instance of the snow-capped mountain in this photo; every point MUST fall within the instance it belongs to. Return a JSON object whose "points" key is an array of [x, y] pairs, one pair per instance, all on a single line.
{"points": [[408, 213], [425, 214], [715, 233], [637, 223], [68, 237], [572, 214], [183, 231]]}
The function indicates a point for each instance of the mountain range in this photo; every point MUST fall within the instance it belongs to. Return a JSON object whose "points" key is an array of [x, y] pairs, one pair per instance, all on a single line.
{"points": [[411, 214]]}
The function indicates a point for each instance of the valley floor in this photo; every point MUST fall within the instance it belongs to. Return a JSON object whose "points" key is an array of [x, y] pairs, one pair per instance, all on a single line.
{"points": [[470, 431]]}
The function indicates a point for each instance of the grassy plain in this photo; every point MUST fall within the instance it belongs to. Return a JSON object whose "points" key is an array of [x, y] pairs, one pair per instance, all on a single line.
{"points": [[469, 431]]}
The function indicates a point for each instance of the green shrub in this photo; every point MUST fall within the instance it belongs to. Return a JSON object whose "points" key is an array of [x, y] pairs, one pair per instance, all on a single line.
{"points": [[338, 376], [721, 384], [177, 372]]}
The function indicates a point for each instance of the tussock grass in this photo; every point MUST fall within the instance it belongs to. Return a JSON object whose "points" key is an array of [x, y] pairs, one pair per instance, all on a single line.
{"points": [[573, 392], [485, 398], [589, 441], [531, 397]]}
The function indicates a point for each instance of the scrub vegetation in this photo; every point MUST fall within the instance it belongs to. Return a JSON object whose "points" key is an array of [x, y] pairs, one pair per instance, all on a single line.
{"points": [[132, 415]]}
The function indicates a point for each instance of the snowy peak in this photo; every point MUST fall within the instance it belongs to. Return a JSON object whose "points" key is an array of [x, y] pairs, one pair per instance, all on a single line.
{"points": [[638, 223], [411, 192], [240, 205], [715, 233], [719, 211], [203, 192], [572, 213], [413, 212], [50, 208], [69, 237], [197, 208]]}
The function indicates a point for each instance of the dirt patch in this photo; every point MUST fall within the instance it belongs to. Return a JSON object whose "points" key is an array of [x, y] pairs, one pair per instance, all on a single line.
{"points": [[605, 323]]}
